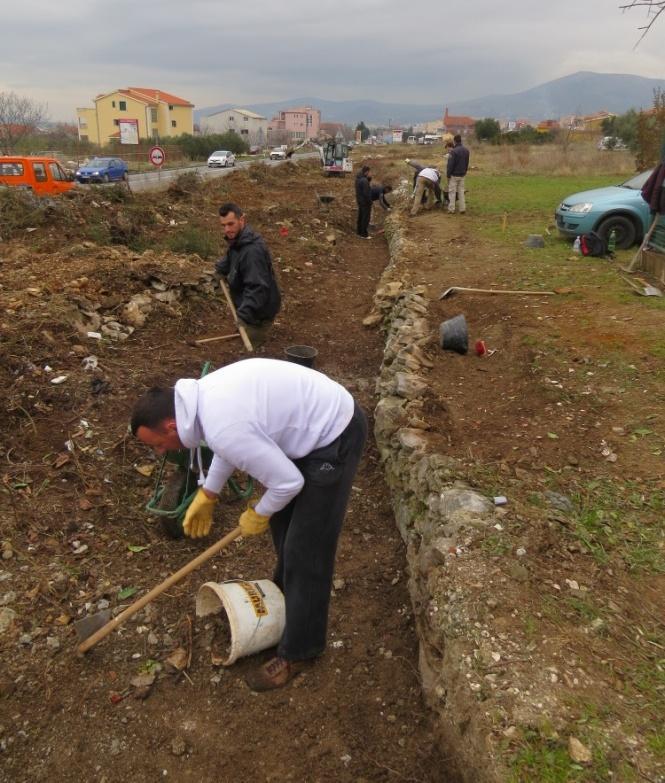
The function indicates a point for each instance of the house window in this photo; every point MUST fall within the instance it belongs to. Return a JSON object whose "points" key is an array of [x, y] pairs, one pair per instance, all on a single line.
{"points": [[40, 171], [122, 105], [244, 132], [232, 118], [153, 115], [174, 124], [116, 123], [84, 138], [113, 104], [170, 107], [82, 123], [246, 119]]}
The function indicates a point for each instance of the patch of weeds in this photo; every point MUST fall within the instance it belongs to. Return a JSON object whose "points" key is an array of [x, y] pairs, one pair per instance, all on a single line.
{"points": [[191, 239], [99, 233], [618, 521], [584, 609], [495, 545], [656, 744], [531, 626], [545, 761]]}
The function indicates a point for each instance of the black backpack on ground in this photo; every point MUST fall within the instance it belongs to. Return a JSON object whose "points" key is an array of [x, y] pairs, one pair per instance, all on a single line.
{"points": [[594, 245]]}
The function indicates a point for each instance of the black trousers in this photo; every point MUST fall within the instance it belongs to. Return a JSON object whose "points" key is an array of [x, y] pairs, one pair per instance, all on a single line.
{"points": [[305, 535], [364, 214]]}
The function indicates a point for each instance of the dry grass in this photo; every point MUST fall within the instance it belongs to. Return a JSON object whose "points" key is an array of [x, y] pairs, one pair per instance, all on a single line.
{"points": [[577, 158], [552, 159]]}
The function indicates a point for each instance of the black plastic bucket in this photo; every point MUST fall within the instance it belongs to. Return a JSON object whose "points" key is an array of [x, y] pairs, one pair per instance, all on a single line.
{"points": [[454, 335], [301, 354]]}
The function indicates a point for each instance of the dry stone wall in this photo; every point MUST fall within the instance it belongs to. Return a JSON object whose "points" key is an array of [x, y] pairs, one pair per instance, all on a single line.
{"points": [[439, 519]]}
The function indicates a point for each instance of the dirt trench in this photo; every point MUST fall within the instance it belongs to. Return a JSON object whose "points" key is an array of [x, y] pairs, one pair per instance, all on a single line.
{"points": [[75, 533]]}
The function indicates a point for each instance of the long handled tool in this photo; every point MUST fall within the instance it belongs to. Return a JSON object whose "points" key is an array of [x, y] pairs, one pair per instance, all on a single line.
{"points": [[453, 289], [643, 245], [243, 332], [89, 629], [214, 339]]}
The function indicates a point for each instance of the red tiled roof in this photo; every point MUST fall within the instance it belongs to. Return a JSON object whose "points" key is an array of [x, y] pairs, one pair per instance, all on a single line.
{"points": [[153, 95]]}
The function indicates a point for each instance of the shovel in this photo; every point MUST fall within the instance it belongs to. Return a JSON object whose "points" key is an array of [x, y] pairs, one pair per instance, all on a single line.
{"points": [[243, 332], [454, 288], [95, 627]]}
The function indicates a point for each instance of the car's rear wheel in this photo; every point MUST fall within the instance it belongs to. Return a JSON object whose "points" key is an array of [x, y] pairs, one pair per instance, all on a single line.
{"points": [[624, 228]]}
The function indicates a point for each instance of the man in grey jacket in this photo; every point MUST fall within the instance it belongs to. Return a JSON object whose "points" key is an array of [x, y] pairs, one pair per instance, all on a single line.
{"points": [[301, 435]]}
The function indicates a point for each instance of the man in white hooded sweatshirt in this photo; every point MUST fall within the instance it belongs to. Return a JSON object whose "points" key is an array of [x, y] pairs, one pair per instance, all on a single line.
{"points": [[301, 435]]}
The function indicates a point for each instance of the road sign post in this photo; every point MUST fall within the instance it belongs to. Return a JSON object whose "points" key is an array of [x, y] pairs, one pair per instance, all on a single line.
{"points": [[157, 156]]}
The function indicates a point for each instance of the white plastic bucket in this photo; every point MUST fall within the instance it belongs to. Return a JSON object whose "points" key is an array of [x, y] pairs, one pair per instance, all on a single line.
{"points": [[255, 612]]}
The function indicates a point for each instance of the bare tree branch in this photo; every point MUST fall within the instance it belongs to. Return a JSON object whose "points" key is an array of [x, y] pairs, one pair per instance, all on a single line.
{"points": [[654, 9], [19, 116]]}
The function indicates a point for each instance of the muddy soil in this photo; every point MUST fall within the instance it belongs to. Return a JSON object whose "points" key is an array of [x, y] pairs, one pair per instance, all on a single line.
{"points": [[76, 537]]}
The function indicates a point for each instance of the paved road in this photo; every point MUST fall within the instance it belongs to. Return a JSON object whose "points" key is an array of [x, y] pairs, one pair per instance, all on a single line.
{"points": [[153, 180]]}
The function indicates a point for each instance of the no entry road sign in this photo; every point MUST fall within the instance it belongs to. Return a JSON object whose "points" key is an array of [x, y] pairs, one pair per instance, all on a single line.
{"points": [[157, 156]]}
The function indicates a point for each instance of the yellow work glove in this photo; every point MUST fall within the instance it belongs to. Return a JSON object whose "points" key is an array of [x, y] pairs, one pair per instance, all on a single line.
{"points": [[251, 523], [198, 518]]}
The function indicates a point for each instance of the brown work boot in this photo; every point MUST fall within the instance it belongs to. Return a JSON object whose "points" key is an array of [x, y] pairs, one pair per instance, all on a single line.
{"points": [[276, 673]]}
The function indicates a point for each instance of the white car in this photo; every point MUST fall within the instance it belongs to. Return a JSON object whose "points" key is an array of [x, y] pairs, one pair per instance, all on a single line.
{"points": [[221, 159], [278, 154]]}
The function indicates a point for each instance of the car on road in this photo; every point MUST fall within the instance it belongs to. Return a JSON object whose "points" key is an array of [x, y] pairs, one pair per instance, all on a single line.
{"points": [[102, 170], [278, 154], [43, 176], [618, 208], [221, 159]]}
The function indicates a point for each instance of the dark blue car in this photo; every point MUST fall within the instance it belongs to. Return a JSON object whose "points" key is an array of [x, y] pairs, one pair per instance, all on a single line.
{"points": [[102, 170]]}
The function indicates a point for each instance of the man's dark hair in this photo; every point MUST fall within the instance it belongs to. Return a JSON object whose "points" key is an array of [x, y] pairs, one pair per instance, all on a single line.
{"points": [[365, 169], [230, 206], [154, 407], [457, 138]]}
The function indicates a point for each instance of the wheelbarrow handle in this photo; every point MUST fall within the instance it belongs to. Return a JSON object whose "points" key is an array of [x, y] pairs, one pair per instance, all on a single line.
{"points": [[132, 609]]}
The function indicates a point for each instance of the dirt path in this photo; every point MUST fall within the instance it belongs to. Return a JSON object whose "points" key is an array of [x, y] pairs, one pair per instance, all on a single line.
{"points": [[71, 515]]}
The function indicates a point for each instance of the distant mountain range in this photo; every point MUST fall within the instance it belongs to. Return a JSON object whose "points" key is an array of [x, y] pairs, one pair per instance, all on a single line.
{"points": [[580, 93]]}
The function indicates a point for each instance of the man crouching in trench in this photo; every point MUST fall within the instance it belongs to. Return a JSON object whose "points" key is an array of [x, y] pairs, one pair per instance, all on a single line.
{"points": [[301, 435]]}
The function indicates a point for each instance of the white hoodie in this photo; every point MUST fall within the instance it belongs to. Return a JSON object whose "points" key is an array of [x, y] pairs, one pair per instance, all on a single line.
{"points": [[257, 415]]}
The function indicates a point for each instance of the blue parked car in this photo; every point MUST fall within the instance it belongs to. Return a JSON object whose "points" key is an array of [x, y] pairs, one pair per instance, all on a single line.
{"points": [[102, 170], [618, 208]]}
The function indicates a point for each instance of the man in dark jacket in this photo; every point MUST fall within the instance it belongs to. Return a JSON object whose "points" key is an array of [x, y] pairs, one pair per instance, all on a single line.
{"points": [[458, 165], [379, 193], [247, 267], [364, 201]]}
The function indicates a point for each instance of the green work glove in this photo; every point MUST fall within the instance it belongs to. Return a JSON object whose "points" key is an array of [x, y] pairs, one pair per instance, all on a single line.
{"points": [[198, 518], [251, 523]]}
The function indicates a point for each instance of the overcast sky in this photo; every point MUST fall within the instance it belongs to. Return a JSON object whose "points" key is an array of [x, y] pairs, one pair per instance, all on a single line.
{"points": [[212, 52]]}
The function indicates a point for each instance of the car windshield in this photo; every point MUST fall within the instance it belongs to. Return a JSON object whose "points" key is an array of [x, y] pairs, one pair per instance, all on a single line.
{"points": [[98, 163], [220, 152], [637, 182]]}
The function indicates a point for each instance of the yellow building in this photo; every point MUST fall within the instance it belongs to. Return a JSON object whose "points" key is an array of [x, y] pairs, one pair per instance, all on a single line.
{"points": [[133, 114]]}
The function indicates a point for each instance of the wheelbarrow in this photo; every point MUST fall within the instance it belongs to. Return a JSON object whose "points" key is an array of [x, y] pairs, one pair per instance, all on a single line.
{"points": [[171, 496], [324, 199]]}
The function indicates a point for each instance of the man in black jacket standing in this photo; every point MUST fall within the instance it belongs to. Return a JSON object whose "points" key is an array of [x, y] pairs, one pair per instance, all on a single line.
{"points": [[364, 201], [458, 165], [247, 267]]}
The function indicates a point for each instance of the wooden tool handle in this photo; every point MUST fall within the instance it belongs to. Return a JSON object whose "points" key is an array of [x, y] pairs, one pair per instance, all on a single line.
{"points": [[119, 619], [214, 339], [243, 333]]}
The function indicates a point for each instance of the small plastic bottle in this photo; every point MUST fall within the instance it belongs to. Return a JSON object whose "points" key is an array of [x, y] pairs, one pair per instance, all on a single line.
{"points": [[612, 241], [576, 246]]}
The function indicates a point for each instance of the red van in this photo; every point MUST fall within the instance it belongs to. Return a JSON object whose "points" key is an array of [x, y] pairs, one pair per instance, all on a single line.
{"points": [[43, 176]]}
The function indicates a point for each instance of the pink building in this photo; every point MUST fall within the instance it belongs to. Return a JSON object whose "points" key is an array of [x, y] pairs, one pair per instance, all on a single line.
{"points": [[296, 124]]}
